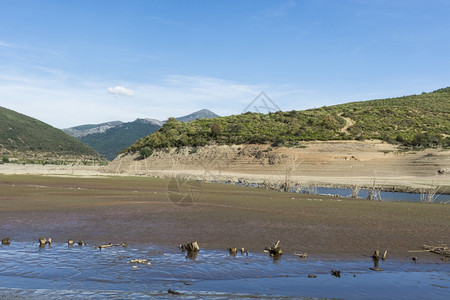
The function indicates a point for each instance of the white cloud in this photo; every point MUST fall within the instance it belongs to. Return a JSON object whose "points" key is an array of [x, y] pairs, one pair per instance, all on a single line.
{"points": [[120, 91]]}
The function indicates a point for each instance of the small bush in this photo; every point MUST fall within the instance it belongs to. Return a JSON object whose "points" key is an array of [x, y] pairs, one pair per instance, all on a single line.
{"points": [[146, 152], [5, 159]]}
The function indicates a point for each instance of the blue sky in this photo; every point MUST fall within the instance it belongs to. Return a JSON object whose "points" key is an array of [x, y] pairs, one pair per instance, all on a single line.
{"points": [[76, 62]]}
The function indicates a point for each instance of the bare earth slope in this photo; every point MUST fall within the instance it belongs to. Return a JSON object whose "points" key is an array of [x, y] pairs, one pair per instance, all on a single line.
{"points": [[326, 163]]}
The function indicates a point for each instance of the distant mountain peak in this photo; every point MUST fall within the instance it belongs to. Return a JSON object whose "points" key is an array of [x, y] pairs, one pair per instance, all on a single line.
{"points": [[200, 114]]}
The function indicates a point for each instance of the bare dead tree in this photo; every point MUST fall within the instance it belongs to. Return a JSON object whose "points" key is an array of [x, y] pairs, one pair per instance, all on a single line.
{"points": [[290, 167], [374, 192]]}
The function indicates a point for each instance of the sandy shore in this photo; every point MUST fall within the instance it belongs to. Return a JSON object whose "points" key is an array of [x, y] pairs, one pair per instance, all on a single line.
{"points": [[100, 209]]}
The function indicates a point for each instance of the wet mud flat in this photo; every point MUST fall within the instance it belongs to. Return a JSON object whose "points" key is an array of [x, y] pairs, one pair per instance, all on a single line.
{"points": [[338, 234], [142, 210], [61, 271]]}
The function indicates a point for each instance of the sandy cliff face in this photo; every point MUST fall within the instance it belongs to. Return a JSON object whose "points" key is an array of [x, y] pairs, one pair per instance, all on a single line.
{"points": [[328, 162]]}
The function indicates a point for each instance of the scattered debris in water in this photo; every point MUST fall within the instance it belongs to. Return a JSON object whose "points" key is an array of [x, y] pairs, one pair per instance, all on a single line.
{"points": [[336, 273]]}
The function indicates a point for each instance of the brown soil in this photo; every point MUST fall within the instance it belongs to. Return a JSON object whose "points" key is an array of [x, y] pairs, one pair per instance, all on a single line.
{"points": [[140, 210]]}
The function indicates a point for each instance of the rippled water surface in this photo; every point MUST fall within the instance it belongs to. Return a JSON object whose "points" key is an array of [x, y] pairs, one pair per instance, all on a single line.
{"points": [[59, 271]]}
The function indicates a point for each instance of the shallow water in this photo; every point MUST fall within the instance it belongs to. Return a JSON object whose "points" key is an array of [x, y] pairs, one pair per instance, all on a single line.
{"points": [[59, 271], [383, 195]]}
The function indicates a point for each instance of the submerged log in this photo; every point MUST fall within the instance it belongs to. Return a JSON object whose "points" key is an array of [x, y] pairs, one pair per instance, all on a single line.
{"points": [[104, 246], [6, 241]]}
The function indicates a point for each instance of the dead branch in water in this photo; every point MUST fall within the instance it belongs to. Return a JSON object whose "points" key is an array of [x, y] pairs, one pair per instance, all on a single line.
{"points": [[441, 250], [374, 192]]}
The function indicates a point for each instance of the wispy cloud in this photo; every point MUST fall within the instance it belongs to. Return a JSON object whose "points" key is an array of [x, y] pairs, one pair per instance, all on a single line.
{"points": [[5, 45], [120, 91]]}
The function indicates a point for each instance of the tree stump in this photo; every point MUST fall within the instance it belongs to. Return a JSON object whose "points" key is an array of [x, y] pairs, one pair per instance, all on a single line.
{"points": [[233, 251], [6, 241], [192, 247], [42, 241], [376, 254], [275, 250]]}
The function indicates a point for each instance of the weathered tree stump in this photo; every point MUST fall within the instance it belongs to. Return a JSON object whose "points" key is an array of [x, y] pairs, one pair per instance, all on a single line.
{"points": [[384, 255], [192, 247], [42, 241], [376, 254], [6, 241], [275, 250], [233, 251], [70, 242]]}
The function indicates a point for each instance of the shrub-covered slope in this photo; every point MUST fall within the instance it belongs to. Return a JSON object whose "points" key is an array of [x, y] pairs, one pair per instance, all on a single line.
{"points": [[20, 133], [417, 121]]}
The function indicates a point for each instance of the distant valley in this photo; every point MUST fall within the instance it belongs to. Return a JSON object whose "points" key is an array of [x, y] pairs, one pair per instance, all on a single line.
{"points": [[110, 138]]}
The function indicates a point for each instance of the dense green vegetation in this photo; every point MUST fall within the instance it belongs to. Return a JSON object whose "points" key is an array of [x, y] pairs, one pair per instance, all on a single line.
{"points": [[24, 134], [412, 121], [113, 140]]}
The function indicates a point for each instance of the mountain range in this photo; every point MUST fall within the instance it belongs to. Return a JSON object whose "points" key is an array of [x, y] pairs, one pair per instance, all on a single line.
{"points": [[110, 138]]}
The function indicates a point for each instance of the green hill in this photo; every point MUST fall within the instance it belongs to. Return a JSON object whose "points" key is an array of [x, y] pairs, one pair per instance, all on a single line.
{"points": [[412, 121], [115, 139], [22, 134]]}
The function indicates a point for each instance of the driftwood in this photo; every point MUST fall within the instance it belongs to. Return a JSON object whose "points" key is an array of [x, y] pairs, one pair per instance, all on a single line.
{"points": [[110, 245], [6, 241], [441, 250], [302, 255], [140, 261], [275, 250], [170, 291]]}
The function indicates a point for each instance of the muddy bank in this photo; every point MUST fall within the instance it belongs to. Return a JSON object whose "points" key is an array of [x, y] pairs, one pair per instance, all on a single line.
{"points": [[144, 210]]}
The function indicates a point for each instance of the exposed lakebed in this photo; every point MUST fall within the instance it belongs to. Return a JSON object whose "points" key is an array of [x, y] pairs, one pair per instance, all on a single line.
{"points": [[27, 271]]}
